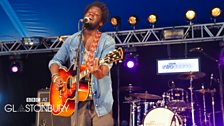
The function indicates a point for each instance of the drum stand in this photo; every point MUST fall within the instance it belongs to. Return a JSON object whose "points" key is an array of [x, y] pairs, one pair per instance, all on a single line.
{"points": [[146, 106], [132, 113], [192, 102], [204, 106], [213, 106], [138, 115], [174, 118]]}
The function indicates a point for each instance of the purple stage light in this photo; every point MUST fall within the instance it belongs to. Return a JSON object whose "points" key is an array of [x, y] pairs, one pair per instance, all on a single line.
{"points": [[130, 64], [14, 69], [131, 58]]}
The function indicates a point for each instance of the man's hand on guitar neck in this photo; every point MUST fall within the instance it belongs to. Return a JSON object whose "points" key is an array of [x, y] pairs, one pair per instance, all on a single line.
{"points": [[94, 67], [99, 71]]}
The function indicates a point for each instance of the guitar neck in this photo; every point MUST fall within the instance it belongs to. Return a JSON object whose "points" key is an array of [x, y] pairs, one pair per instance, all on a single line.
{"points": [[85, 72], [81, 75]]}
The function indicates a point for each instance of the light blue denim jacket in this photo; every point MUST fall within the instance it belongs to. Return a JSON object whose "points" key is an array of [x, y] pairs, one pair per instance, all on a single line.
{"points": [[102, 88]]}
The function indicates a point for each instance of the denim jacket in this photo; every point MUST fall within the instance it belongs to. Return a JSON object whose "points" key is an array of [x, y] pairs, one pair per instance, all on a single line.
{"points": [[102, 88]]}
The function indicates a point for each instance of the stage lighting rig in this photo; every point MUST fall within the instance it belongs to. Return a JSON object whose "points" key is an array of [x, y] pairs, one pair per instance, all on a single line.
{"points": [[131, 58], [215, 12], [31, 41], [132, 20], [16, 66], [152, 19], [115, 21], [190, 15], [169, 34]]}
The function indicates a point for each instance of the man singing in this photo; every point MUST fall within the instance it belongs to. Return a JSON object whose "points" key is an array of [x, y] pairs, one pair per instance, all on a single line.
{"points": [[97, 109]]}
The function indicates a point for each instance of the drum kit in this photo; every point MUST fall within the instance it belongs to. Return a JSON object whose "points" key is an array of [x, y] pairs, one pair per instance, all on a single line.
{"points": [[176, 107]]}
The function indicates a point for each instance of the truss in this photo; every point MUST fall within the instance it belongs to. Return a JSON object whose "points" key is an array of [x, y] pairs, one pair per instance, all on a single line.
{"points": [[143, 37]]}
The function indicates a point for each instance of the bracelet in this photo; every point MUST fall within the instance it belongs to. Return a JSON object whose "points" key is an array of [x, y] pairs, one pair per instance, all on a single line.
{"points": [[54, 80], [54, 74]]}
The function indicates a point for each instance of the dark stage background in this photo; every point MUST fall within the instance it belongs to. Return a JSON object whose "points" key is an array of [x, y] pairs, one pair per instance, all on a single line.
{"points": [[15, 88]]}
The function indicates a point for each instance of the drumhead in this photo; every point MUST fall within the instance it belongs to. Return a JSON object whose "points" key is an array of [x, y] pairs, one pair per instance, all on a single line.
{"points": [[162, 117]]}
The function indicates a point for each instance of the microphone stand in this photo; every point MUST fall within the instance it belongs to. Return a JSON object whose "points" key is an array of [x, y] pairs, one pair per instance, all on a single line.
{"points": [[77, 68], [118, 94], [192, 102], [220, 82]]}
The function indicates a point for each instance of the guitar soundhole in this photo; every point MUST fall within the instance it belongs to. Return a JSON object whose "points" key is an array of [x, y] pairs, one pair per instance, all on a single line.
{"points": [[69, 83]]}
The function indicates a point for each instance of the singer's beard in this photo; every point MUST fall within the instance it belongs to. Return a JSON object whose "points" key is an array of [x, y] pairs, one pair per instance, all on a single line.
{"points": [[91, 26]]}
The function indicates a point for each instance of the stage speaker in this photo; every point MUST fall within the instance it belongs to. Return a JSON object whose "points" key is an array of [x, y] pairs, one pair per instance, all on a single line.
{"points": [[46, 118]]}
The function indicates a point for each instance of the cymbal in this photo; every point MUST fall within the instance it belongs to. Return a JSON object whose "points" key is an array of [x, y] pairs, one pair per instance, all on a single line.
{"points": [[193, 75], [131, 88], [206, 91], [146, 96], [131, 101]]}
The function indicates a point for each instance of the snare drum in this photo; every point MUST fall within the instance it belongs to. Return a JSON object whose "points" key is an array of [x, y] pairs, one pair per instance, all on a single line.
{"points": [[177, 97], [162, 117]]}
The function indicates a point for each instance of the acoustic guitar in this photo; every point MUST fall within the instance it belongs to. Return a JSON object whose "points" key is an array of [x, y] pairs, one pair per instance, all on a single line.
{"points": [[62, 101]]}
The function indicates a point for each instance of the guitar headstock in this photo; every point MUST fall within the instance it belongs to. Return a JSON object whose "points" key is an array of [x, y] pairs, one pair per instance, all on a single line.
{"points": [[116, 55]]}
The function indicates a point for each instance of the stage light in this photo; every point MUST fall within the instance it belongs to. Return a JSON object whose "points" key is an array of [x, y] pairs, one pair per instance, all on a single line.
{"points": [[60, 39], [131, 60], [169, 34], [190, 15], [115, 21], [216, 12], [31, 41], [132, 20], [16, 67], [130, 64], [152, 19]]}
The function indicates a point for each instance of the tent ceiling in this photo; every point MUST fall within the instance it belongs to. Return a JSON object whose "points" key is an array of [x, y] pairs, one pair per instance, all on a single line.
{"points": [[47, 18]]}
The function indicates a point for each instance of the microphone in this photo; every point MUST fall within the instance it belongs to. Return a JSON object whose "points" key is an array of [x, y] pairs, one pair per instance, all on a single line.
{"points": [[198, 49], [85, 20]]}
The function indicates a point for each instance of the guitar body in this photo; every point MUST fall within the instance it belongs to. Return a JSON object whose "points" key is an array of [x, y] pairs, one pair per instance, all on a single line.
{"points": [[63, 101]]}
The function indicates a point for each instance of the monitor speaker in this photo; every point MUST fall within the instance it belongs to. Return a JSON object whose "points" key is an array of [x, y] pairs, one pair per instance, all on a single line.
{"points": [[46, 118]]}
